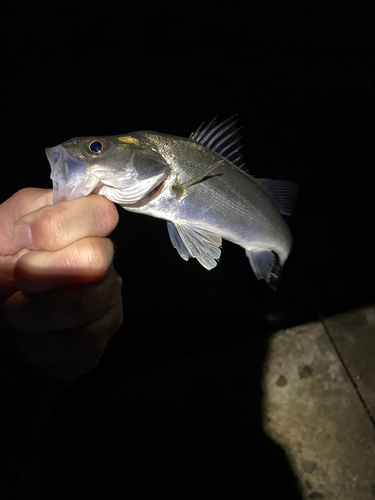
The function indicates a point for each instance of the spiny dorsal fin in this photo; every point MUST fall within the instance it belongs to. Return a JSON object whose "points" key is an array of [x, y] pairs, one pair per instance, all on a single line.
{"points": [[223, 138]]}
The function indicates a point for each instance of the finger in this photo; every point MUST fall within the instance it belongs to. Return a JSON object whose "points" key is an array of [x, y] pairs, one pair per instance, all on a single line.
{"points": [[84, 261], [7, 284], [54, 227], [24, 201], [63, 308]]}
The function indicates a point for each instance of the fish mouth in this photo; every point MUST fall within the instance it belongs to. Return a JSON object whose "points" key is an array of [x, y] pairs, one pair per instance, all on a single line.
{"points": [[62, 164], [53, 155], [67, 174]]}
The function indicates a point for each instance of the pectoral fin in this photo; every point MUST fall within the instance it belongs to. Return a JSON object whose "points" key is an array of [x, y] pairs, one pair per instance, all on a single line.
{"points": [[180, 189], [190, 241]]}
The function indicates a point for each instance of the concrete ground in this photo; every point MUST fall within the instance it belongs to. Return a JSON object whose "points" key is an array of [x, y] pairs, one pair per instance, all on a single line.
{"points": [[319, 404]]}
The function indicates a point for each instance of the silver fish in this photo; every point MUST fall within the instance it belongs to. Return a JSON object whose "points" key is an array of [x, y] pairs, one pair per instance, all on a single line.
{"points": [[196, 184]]}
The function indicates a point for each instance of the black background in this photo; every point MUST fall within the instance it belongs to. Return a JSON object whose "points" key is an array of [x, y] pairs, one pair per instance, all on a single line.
{"points": [[174, 407]]}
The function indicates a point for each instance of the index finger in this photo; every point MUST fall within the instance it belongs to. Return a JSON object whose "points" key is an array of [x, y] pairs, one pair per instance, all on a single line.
{"points": [[55, 227]]}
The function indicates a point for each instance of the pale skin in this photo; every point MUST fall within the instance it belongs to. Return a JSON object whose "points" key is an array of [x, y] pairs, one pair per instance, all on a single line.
{"points": [[59, 291]]}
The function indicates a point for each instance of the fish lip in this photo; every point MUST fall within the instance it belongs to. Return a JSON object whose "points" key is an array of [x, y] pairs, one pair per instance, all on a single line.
{"points": [[63, 166], [53, 155], [66, 173], [55, 160]]}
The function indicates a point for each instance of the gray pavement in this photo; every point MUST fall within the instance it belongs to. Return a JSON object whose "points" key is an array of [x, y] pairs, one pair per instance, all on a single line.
{"points": [[319, 404]]}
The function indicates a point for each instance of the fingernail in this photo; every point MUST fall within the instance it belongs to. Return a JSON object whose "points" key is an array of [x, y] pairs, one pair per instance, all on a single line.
{"points": [[22, 235]]}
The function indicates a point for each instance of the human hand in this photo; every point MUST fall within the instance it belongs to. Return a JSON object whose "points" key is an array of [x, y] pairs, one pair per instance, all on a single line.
{"points": [[60, 292]]}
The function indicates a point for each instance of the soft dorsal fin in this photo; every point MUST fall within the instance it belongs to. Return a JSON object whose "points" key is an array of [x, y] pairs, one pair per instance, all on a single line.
{"points": [[283, 194], [223, 138]]}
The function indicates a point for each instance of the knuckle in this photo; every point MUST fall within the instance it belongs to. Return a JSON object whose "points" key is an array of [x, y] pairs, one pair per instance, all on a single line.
{"points": [[105, 215], [24, 192], [49, 227], [94, 254]]}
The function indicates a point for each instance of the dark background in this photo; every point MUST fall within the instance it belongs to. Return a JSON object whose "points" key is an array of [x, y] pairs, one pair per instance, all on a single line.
{"points": [[174, 408]]}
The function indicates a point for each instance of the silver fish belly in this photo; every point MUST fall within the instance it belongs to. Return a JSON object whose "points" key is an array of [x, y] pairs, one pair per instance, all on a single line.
{"points": [[194, 183]]}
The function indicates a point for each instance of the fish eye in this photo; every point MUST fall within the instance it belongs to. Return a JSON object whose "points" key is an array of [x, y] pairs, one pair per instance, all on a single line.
{"points": [[96, 146]]}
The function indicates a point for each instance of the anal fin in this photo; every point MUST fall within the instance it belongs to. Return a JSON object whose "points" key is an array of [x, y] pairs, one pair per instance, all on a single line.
{"points": [[263, 263]]}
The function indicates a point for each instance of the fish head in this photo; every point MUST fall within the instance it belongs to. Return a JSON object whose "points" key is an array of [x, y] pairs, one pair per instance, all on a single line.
{"points": [[123, 171]]}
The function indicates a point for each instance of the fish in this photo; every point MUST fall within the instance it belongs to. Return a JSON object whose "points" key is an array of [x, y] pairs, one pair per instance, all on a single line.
{"points": [[197, 184]]}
